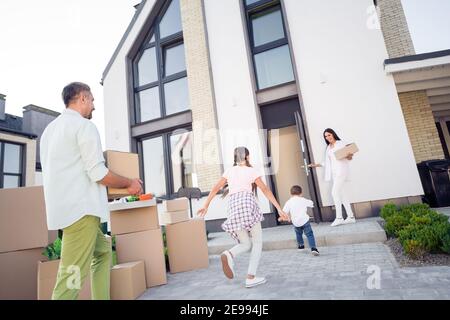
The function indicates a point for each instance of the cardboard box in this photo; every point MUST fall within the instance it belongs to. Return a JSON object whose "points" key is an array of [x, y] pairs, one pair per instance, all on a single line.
{"points": [[349, 148], [174, 217], [122, 163], [175, 205], [133, 217], [46, 281], [128, 280], [147, 246], [23, 221], [187, 245], [18, 273]]}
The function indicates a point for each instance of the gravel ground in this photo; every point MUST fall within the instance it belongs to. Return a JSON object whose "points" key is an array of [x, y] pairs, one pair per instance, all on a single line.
{"points": [[436, 259]]}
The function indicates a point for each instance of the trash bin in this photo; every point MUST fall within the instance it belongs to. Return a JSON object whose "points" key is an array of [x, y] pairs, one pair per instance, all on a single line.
{"points": [[435, 177]]}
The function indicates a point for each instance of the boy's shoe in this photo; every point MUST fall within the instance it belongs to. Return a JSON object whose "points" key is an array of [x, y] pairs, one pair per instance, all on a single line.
{"points": [[301, 247], [349, 220], [254, 282], [337, 222], [315, 252], [227, 264]]}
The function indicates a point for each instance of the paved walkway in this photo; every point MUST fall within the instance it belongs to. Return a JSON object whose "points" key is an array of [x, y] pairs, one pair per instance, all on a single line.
{"points": [[283, 237], [340, 272]]}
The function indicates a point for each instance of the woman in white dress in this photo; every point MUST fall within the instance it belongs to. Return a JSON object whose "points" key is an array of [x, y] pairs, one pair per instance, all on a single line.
{"points": [[338, 172]]}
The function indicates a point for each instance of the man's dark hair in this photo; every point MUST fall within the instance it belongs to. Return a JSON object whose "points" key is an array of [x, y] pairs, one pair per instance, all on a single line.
{"points": [[72, 90], [296, 190]]}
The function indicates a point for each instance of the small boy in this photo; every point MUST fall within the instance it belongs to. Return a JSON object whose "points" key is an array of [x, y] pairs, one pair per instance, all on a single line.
{"points": [[297, 206]]}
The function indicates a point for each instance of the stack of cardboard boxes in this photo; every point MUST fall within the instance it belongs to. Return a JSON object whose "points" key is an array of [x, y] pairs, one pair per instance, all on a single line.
{"points": [[187, 246], [139, 243], [23, 237]]}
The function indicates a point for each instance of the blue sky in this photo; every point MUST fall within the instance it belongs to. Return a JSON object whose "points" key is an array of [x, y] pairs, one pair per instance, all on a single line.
{"points": [[429, 24]]}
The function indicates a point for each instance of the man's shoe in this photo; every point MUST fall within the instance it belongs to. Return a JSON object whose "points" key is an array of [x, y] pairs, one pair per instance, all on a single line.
{"points": [[254, 282], [301, 247], [227, 264], [314, 251], [337, 222]]}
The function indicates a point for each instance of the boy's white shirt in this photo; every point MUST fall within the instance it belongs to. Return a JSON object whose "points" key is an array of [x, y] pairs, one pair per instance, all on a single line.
{"points": [[297, 207]]}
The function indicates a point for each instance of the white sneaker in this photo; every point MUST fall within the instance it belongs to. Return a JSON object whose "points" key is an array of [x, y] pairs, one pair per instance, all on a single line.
{"points": [[349, 220], [337, 222], [254, 282], [227, 264]]}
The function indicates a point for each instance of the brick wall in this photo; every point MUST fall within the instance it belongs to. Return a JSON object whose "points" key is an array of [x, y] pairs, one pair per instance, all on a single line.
{"points": [[421, 126], [201, 95], [395, 28]]}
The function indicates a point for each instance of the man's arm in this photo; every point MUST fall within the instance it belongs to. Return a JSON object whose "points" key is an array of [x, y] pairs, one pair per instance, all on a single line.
{"points": [[134, 186]]}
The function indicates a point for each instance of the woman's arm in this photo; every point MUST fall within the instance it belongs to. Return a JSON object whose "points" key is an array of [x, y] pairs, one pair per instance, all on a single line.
{"points": [[219, 185], [269, 195]]}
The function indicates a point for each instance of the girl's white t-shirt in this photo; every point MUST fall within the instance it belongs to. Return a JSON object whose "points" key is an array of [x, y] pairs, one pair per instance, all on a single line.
{"points": [[240, 178]]}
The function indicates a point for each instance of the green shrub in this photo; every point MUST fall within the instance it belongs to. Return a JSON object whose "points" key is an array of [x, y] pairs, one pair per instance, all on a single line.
{"points": [[388, 210], [396, 222], [419, 228], [53, 251], [413, 248]]}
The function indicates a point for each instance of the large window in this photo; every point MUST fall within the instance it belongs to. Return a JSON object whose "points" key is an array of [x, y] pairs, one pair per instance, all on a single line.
{"points": [[168, 162], [160, 78], [269, 43], [11, 165]]}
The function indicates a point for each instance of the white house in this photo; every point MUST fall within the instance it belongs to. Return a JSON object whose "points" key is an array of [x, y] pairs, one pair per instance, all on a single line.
{"points": [[193, 79]]}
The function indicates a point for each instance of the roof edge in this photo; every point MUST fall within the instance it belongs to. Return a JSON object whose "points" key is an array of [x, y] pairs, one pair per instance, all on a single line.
{"points": [[418, 57], [122, 40]]}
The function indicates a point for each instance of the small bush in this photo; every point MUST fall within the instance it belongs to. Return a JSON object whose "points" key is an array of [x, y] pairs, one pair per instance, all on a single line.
{"points": [[388, 210], [419, 228], [396, 222], [413, 249]]}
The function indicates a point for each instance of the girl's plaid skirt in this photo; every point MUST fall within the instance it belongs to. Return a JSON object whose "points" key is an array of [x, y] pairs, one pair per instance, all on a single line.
{"points": [[243, 213]]}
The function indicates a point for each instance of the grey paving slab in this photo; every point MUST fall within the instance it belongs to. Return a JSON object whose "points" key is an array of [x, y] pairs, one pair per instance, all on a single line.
{"points": [[340, 272]]}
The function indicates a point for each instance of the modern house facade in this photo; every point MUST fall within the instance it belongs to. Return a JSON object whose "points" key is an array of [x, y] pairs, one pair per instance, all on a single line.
{"points": [[193, 79]]}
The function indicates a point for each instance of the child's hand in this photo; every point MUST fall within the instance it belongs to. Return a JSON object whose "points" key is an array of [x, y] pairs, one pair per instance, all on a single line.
{"points": [[202, 212], [284, 217]]}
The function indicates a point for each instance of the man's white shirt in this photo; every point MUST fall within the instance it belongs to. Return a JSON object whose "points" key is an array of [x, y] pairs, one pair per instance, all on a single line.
{"points": [[72, 164]]}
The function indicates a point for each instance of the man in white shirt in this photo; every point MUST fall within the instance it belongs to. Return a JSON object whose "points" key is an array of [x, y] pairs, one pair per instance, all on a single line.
{"points": [[297, 207], [74, 179]]}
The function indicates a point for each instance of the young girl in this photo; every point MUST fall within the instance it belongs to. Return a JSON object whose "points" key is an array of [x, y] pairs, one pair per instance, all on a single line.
{"points": [[244, 214]]}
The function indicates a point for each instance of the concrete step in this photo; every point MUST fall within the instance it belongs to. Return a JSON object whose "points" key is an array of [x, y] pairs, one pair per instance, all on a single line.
{"points": [[283, 237]]}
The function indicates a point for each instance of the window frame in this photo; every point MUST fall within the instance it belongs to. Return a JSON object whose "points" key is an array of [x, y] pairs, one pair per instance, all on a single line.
{"points": [[160, 46], [257, 8], [167, 155], [21, 175]]}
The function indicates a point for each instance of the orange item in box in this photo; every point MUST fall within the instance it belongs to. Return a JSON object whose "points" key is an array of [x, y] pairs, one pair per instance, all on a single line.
{"points": [[147, 196]]}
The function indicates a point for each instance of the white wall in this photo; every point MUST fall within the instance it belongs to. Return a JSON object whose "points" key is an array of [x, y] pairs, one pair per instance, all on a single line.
{"points": [[237, 110], [117, 128], [339, 61]]}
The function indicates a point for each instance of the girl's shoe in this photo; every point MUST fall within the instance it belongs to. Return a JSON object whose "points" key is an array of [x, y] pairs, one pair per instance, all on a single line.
{"points": [[227, 264], [337, 222], [349, 220], [254, 282]]}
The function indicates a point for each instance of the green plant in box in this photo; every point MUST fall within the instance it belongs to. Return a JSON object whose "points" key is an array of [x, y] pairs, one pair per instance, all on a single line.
{"points": [[53, 251]]}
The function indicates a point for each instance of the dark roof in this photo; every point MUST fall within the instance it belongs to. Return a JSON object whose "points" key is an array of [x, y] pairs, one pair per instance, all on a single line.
{"points": [[124, 37], [13, 124], [418, 57]]}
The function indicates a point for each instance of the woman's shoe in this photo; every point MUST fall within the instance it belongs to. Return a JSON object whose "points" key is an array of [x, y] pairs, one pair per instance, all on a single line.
{"points": [[227, 264], [254, 282], [337, 222], [349, 220]]}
